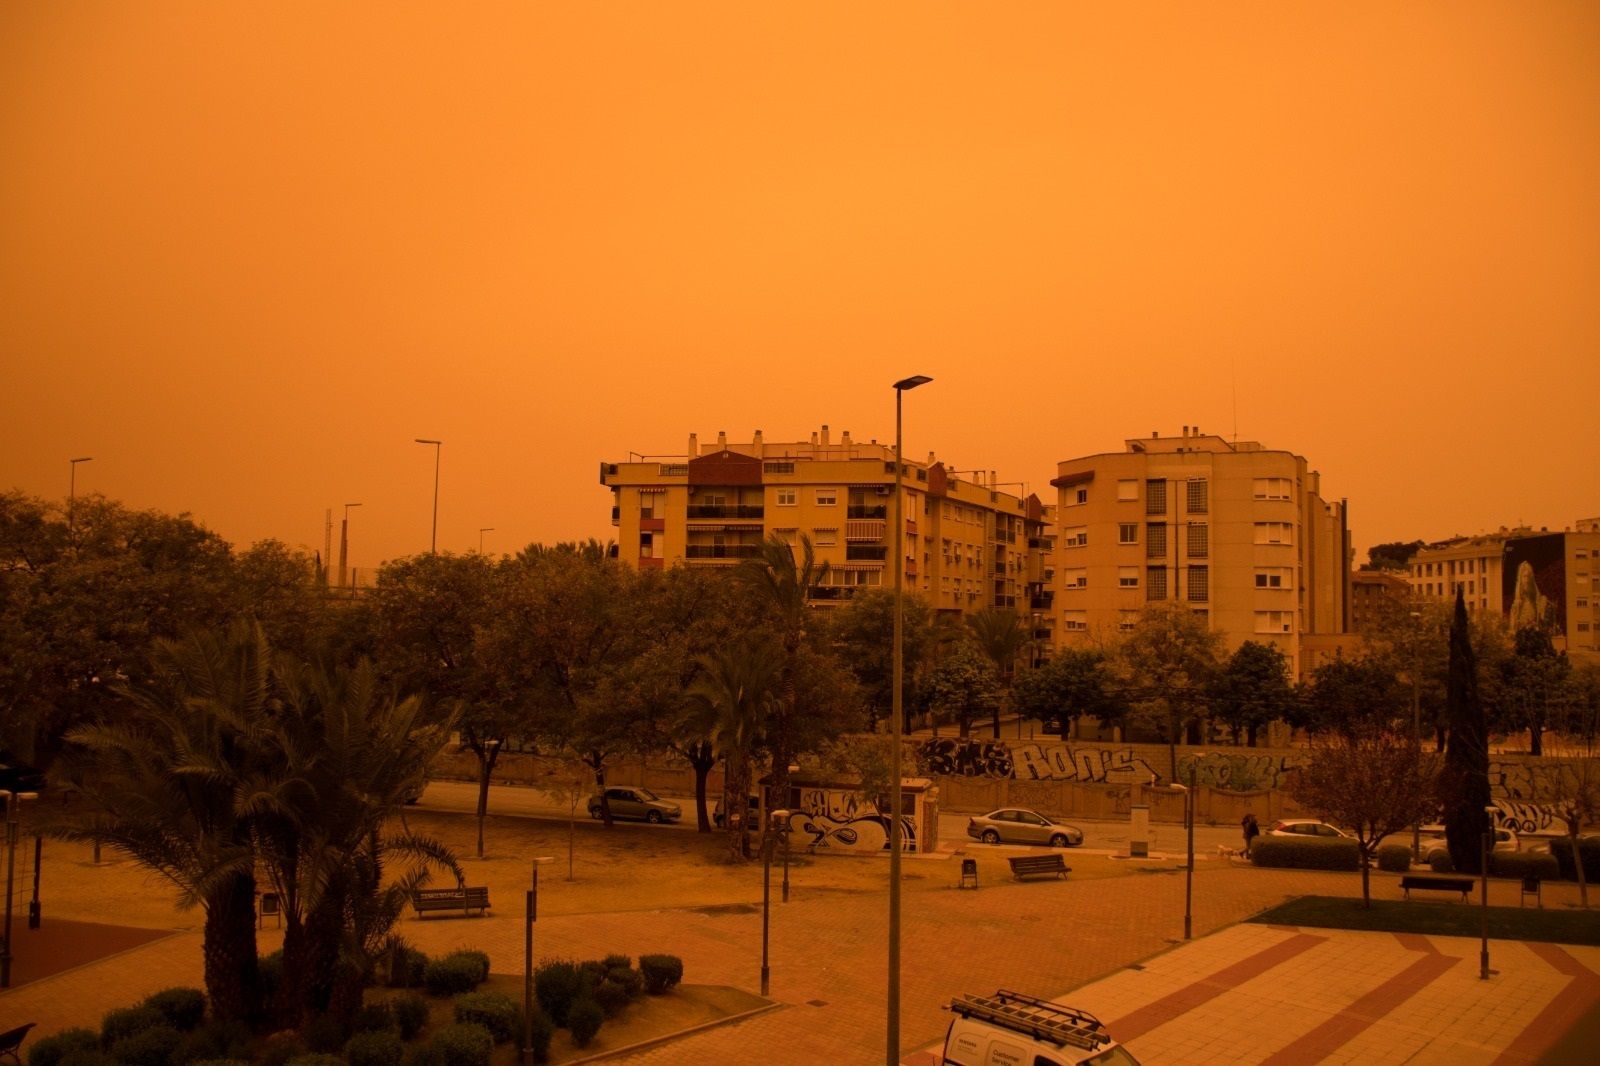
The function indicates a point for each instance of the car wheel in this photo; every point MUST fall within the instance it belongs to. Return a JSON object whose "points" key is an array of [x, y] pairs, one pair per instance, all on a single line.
{"points": [[653, 817], [594, 812], [1058, 841], [991, 837]]}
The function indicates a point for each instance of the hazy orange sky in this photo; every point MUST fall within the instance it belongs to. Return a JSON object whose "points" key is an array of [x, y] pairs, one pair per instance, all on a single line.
{"points": [[248, 252]]}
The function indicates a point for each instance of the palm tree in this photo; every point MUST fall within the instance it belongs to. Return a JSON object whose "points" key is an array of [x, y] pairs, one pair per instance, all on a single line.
{"points": [[735, 692], [785, 588], [1002, 635]]}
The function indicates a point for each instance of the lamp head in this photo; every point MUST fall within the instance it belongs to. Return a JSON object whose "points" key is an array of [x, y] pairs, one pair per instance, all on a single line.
{"points": [[425, 440], [912, 382]]}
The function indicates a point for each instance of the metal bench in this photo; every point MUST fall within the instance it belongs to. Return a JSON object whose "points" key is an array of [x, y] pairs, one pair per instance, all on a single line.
{"points": [[11, 1040], [460, 900], [1030, 865], [1462, 885]]}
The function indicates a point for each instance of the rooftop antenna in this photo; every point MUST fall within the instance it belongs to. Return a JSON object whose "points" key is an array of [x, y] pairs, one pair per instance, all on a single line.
{"points": [[1233, 364]]}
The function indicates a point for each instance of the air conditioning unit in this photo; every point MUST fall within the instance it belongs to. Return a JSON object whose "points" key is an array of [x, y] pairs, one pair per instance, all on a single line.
{"points": [[883, 490]]}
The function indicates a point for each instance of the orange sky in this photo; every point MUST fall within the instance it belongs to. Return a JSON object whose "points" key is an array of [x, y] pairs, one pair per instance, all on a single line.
{"points": [[248, 252]]}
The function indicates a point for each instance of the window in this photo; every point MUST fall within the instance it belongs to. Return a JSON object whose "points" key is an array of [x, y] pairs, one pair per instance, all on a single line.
{"points": [[1155, 496], [788, 497], [1199, 584], [1199, 540], [1077, 620], [1582, 602], [1155, 540], [1075, 536], [825, 538], [1273, 532], [1079, 495], [1128, 577], [827, 497], [1076, 579], [1127, 532], [1274, 621], [1583, 627], [1273, 577], [1198, 495], [1273, 488], [1155, 582], [1128, 489], [777, 468], [785, 533], [1126, 620]]}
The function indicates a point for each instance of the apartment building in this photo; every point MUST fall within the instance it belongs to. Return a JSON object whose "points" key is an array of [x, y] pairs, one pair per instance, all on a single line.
{"points": [[1525, 576], [968, 545], [1238, 532], [1372, 592]]}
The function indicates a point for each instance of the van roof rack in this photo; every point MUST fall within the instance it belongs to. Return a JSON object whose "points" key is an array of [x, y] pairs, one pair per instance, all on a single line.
{"points": [[1034, 1017]]}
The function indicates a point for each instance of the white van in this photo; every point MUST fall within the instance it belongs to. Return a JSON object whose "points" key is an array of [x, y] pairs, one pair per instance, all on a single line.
{"points": [[1012, 1029]]}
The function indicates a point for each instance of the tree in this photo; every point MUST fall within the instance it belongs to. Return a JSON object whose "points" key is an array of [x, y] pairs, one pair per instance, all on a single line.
{"points": [[963, 686], [1373, 781], [1002, 635], [1394, 555], [1577, 743], [1073, 682], [1252, 689], [861, 634], [1351, 697], [1172, 655], [1464, 781], [736, 690], [1531, 681]]}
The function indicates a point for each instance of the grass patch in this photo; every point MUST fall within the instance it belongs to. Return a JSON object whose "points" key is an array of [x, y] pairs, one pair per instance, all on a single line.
{"points": [[1437, 919]]}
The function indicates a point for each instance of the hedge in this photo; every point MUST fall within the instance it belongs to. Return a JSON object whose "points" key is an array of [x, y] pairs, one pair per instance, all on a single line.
{"points": [[453, 975], [495, 1011], [124, 1022], [661, 972], [584, 1019], [1396, 858], [50, 1050], [462, 1045], [1588, 847], [148, 1047], [1289, 853], [374, 1048], [410, 1012], [182, 1007], [1524, 864]]}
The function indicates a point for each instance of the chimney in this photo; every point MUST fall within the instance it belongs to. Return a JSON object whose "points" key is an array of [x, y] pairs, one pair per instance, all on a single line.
{"points": [[824, 434], [1185, 432], [930, 459], [722, 440], [757, 443], [844, 438], [813, 438], [694, 445]]}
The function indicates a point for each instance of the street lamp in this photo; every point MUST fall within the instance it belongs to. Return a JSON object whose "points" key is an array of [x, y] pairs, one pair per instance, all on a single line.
{"points": [[897, 716], [72, 489], [344, 541], [1416, 719], [481, 531], [438, 447], [532, 915], [13, 827], [1483, 874], [1188, 871]]}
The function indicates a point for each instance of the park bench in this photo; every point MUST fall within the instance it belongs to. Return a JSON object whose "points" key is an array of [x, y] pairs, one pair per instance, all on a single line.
{"points": [[1462, 885], [462, 900], [1029, 865], [11, 1040]]}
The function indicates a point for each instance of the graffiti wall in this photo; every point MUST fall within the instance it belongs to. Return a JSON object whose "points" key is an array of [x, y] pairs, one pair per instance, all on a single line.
{"points": [[833, 819]]}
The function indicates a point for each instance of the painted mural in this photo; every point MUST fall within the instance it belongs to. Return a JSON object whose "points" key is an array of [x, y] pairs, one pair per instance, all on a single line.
{"points": [[841, 820]]}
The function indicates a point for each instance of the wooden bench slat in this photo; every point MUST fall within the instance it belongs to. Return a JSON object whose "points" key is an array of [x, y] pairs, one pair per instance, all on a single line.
{"points": [[463, 900], [1462, 885], [1029, 865]]}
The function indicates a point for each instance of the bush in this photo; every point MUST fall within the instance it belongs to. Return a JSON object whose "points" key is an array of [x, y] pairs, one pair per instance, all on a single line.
{"points": [[543, 1031], [611, 996], [558, 984], [374, 1018], [617, 962], [1439, 862], [87, 1057], [661, 972], [213, 1040], [1396, 858], [147, 1047], [408, 968], [269, 971], [631, 980], [315, 1058], [495, 1011], [410, 1012], [124, 1022], [477, 958], [50, 1050], [452, 975], [325, 1034], [584, 1019], [1588, 847], [1306, 854], [182, 1007], [222, 1062], [420, 1055], [374, 1048], [279, 1048], [1521, 864], [463, 1044]]}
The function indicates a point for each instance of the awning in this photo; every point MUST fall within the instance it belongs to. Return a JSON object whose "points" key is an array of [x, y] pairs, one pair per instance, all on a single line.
{"points": [[1068, 480]]}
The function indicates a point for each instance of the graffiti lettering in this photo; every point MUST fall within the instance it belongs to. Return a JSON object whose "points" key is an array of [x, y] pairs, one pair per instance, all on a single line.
{"points": [[1239, 772]]}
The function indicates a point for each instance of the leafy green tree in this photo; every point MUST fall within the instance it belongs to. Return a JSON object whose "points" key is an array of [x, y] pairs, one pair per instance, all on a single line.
{"points": [[1352, 697], [1577, 743], [1532, 682], [1002, 635], [1252, 689], [861, 634], [962, 686], [1394, 555], [736, 689], [1073, 682], [1171, 655], [1464, 781]]}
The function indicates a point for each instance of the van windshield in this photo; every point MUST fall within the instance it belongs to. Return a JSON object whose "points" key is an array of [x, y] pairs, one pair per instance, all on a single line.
{"points": [[1112, 1056]]}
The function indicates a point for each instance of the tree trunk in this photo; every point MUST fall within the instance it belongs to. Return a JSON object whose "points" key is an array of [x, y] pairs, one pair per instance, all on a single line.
{"points": [[1535, 740], [229, 950], [599, 767], [1366, 877], [1577, 862], [737, 810], [701, 758], [1250, 734]]}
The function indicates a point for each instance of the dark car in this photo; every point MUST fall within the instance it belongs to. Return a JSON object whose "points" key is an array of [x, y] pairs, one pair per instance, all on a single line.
{"points": [[636, 803]]}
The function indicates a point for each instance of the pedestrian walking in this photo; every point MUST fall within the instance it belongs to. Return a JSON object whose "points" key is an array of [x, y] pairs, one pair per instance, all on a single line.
{"points": [[1251, 831]]}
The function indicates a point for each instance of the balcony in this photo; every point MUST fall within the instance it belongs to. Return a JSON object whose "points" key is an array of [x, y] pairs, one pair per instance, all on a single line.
{"points": [[725, 512], [878, 510], [616, 515], [876, 553], [1041, 603], [1005, 601], [833, 592], [721, 551], [652, 525]]}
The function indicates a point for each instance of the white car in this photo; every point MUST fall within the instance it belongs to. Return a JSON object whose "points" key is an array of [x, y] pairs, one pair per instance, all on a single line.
{"points": [[1305, 827], [1009, 1027], [1433, 842]]}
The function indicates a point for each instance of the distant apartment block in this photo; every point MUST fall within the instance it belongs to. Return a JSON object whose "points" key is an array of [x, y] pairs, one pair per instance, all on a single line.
{"points": [[968, 545], [1237, 532], [1371, 591], [1526, 576]]}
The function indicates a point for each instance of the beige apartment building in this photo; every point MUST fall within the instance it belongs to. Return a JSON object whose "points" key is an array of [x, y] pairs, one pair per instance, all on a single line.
{"points": [[1523, 575], [1238, 532], [968, 545]]}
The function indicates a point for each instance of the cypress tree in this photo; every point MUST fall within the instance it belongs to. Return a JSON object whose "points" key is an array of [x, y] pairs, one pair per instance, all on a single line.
{"points": [[1464, 782]]}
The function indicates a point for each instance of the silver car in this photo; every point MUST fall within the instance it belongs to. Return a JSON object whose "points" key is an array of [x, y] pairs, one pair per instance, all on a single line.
{"points": [[638, 803], [1018, 825]]}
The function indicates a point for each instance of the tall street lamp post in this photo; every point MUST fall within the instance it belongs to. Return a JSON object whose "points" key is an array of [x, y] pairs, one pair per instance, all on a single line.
{"points": [[481, 531], [1483, 873], [778, 818], [897, 718], [1188, 870], [13, 828], [531, 915], [438, 446], [72, 489], [1416, 718], [344, 542]]}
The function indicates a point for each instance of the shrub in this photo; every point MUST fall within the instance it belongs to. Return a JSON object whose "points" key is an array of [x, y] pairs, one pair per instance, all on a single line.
{"points": [[52, 1049], [1439, 862], [213, 1040], [495, 1011], [452, 975], [617, 962], [409, 968], [147, 1047], [631, 980], [478, 959], [463, 1044], [374, 1048], [124, 1022], [278, 1048], [558, 984], [1308, 854], [585, 1019], [410, 1012], [324, 1033], [592, 972], [1524, 864], [182, 1007], [661, 972], [543, 1030], [222, 1062], [420, 1055], [611, 996], [1396, 858], [374, 1018], [315, 1058], [87, 1057], [269, 971], [1588, 847]]}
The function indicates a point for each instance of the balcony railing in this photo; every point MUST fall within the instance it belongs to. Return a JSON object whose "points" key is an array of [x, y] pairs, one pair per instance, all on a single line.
{"points": [[1005, 601], [866, 551], [1042, 603], [722, 551], [877, 510], [833, 592], [725, 511]]}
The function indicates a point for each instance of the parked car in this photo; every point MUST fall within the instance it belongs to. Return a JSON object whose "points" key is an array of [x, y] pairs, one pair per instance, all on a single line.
{"points": [[1018, 825], [638, 803], [719, 814], [1009, 1027], [1433, 845], [1305, 827]]}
